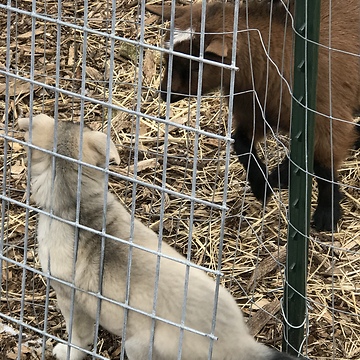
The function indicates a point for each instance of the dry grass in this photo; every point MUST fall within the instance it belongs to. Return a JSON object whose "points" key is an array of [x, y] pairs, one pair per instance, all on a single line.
{"points": [[252, 235]]}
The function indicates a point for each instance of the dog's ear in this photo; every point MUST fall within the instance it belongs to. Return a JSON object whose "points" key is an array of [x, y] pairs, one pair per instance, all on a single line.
{"points": [[42, 127], [24, 123], [95, 148], [38, 120]]}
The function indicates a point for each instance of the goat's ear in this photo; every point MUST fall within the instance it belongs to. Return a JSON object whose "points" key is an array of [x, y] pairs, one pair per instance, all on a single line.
{"points": [[95, 144], [165, 10], [218, 47]]}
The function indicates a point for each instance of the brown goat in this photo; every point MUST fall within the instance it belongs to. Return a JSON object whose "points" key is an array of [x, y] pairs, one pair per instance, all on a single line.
{"points": [[341, 98]]}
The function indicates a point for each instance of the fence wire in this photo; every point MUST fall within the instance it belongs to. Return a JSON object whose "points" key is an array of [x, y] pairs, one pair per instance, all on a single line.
{"points": [[99, 63]]}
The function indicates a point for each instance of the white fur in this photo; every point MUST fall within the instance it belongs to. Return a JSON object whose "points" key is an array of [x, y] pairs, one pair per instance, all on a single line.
{"points": [[56, 252], [181, 36]]}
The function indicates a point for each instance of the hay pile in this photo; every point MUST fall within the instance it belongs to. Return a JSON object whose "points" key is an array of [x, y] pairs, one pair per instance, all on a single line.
{"points": [[254, 237]]}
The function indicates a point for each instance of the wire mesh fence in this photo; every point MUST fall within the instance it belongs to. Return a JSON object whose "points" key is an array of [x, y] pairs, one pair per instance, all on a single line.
{"points": [[100, 64]]}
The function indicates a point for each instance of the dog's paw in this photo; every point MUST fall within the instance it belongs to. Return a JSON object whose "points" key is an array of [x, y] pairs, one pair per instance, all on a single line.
{"points": [[60, 352]]}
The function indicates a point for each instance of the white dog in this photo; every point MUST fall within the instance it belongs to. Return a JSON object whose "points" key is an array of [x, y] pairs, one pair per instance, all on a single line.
{"points": [[73, 255]]}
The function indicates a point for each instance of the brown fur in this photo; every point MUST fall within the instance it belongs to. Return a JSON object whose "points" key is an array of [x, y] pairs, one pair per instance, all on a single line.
{"points": [[345, 74]]}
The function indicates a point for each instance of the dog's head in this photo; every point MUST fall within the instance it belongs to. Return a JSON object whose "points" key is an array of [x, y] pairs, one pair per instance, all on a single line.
{"points": [[42, 129]]}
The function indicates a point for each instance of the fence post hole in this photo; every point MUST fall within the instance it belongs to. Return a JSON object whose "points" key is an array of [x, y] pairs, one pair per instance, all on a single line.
{"points": [[307, 21]]}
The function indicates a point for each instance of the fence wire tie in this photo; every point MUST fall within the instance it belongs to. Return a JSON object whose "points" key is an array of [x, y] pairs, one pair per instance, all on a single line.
{"points": [[286, 320]]}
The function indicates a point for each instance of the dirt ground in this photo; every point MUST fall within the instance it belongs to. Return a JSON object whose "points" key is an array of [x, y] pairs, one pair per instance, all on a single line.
{"points": [[254, 236]]}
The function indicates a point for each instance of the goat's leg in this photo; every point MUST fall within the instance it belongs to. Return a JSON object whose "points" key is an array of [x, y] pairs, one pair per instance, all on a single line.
{"points": [[279, 177], [256, 168], [328, 211], [357, 128]]}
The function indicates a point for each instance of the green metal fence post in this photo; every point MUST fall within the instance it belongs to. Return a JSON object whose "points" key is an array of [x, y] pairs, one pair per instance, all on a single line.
{"points": [[307, 23]]}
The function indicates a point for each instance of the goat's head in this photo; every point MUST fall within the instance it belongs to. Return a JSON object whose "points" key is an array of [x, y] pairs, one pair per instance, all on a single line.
{"points": [[185, 39]]}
